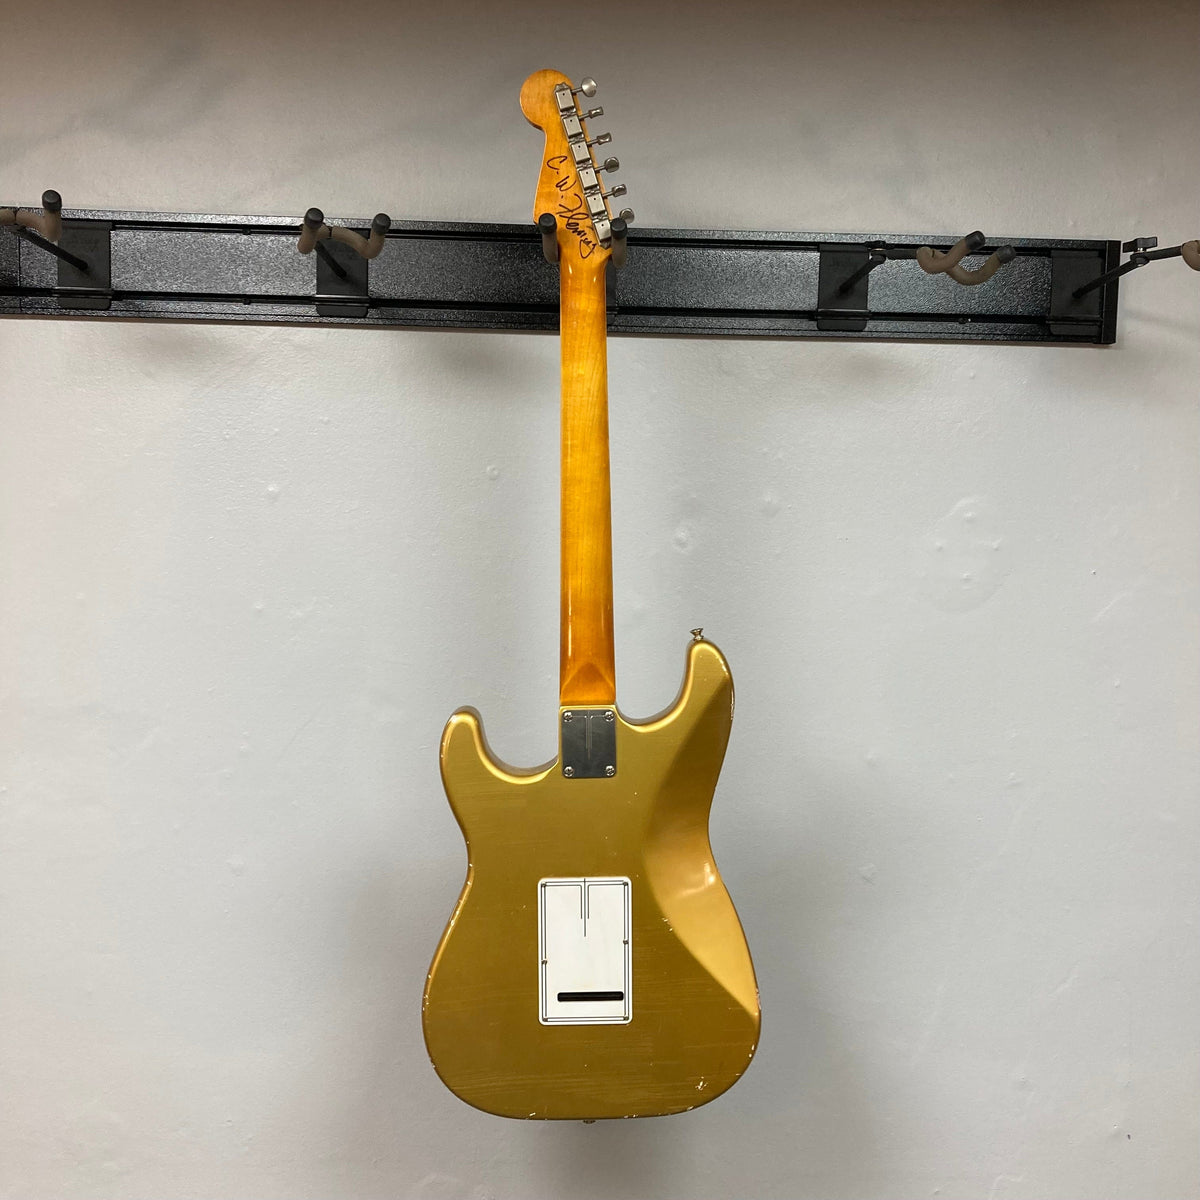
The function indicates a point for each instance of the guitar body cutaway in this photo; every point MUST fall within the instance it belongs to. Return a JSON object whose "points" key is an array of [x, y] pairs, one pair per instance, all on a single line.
{"points": [[693, 1018]]}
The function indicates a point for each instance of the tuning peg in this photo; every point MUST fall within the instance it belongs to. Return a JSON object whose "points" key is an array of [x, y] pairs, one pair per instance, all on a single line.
{"points": [[586, 86], [619, 190], [626, 215], [609, 164], [601, 139], [592, 114]]}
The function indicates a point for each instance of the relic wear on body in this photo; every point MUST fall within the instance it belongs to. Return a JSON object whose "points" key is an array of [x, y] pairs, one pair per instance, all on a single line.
{"points": [[594, 965]]}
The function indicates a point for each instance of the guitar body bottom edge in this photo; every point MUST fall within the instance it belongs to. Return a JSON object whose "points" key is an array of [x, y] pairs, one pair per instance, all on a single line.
{"points": [[681, 1022]]}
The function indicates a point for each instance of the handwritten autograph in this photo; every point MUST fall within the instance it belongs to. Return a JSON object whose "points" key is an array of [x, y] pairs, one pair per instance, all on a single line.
{"points": [[571, 208]]}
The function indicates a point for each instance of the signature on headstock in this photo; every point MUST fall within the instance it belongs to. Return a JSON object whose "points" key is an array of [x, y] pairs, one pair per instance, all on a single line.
{"points": [[572, 211]]}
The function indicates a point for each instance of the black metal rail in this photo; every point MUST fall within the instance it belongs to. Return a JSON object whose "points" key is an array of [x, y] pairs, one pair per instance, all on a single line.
{"points": [[461, 275]]}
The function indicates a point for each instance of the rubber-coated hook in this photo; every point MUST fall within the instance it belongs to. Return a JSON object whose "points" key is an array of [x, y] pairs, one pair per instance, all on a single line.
{"points": [[313, 230], [42, 229], [548, 228], [982, 274], [48, 222], [620, 240], [936, 262], [1142, 251]]}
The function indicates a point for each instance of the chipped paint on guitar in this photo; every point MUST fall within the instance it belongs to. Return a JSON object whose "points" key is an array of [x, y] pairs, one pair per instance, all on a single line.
{"points": [[695, 1014], [594, 965]]}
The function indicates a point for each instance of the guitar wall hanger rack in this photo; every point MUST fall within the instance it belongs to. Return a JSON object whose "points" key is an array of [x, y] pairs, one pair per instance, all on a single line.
{"points": [[82, 249], [427, 274], [342, 289]]}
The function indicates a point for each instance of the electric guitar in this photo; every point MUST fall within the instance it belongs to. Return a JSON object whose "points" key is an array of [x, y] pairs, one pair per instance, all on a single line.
{"points": [[594, 965]]}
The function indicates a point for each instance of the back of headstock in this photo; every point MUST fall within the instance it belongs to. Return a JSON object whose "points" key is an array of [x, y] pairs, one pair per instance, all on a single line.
{"points": [[570, 204]]}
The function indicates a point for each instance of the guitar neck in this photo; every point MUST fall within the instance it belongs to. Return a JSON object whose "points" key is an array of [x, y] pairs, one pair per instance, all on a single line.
{"points": [[587, 673]]}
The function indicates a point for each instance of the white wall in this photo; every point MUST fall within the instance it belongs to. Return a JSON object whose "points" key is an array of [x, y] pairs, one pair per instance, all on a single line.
{"points": [[247, 573]]}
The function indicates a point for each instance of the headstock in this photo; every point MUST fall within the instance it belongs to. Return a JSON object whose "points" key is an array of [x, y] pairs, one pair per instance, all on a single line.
{"points": [[569, 184]]}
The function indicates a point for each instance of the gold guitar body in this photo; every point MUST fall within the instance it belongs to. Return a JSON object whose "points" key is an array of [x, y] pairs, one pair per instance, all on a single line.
{"points": [[694, 1014]]}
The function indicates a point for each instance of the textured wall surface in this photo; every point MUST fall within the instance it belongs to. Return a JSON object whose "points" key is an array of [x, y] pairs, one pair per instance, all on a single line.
{"points": [[248, 572]]}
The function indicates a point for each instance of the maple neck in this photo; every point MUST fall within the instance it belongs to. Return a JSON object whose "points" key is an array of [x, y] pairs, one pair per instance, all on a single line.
{"points": [[587, 666]]}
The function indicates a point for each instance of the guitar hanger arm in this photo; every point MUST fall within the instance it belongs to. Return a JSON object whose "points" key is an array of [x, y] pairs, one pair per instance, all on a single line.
{"points": [[430, 274]]}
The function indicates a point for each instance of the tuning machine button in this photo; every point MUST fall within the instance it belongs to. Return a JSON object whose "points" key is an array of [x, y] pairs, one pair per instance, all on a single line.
{"points": [[619, 190], [601, 139], [592, 114], [609, 164], [626, 215], [586, 86]]}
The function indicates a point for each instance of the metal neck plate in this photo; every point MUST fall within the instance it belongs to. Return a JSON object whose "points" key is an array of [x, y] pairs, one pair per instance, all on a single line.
{"points": [[588, 742]]}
